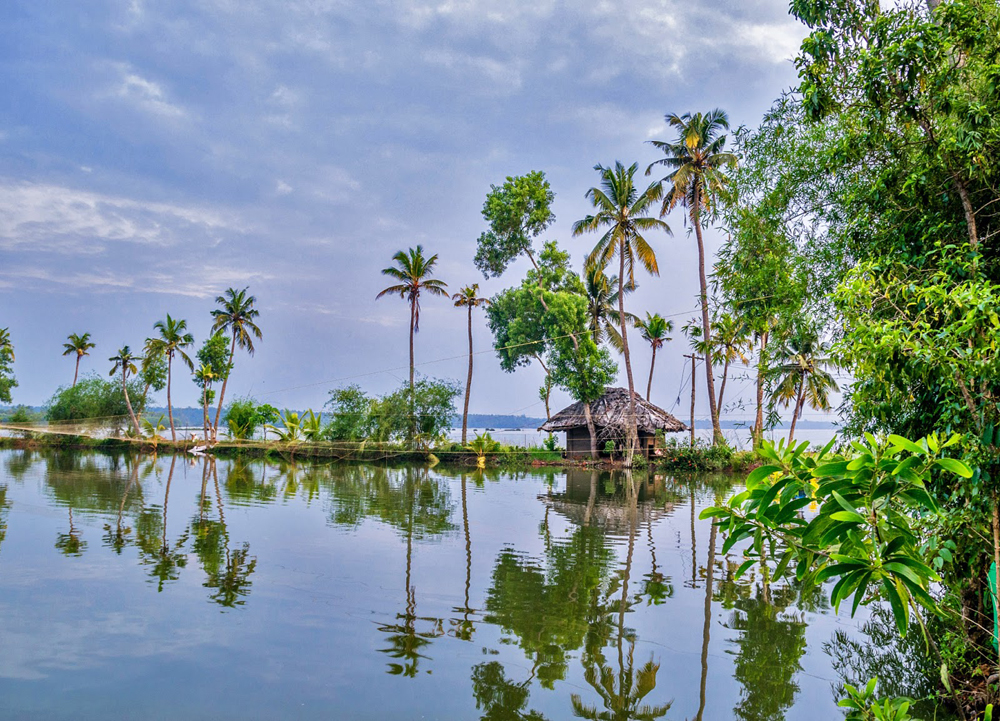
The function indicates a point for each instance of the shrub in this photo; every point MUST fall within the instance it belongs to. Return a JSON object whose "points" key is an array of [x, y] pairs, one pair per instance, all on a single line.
{"points": [[245, 416], [94, 397]]}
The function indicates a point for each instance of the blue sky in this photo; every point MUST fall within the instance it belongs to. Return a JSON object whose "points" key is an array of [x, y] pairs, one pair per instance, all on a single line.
{"points": [[153, 154]]}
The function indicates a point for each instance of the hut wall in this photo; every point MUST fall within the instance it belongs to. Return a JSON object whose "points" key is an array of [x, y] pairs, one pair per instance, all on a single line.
{"points": [[577, 442]]}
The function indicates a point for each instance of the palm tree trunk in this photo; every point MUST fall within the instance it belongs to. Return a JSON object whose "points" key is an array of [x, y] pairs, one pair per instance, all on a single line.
{"points": [[225, 381], [649, 386], [77, 372], [725, 377], [758, 429], [798, 409], [413, 318], [694, 361], [633, 432], [591, 429], [705, 324], [204, 398], [706, 629], [128, 403], [468, 384], [170, 408]]}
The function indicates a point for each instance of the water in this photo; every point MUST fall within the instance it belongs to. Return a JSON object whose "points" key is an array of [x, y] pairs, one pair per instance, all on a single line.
{"points": [[737, 438], [177, 588]]}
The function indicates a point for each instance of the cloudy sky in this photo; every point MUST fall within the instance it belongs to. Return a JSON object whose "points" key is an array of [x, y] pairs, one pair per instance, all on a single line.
{"points": [[153, 154]]}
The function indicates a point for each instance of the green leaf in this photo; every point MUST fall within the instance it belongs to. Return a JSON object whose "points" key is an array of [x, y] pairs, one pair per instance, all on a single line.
{"points": [[769, 496], [899, 611], [744, 567], [759, 474], [843, 502], [828, 470], [906, 444], [847, 517], [954, 466]]}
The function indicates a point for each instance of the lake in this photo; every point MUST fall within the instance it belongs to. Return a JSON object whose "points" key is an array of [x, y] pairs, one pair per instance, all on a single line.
{"points": [[183, 588]]}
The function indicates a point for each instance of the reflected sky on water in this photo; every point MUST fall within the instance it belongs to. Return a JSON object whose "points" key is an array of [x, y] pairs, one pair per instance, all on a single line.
{"points": [[178, 588]]}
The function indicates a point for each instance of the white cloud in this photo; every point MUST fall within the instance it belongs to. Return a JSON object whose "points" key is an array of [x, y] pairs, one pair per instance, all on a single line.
{"points": [[35, 216], [146, 95]]}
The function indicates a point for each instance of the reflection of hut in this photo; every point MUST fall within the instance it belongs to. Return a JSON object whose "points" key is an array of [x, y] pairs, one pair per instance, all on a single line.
{"points": [[610, 414], [588, 502]]}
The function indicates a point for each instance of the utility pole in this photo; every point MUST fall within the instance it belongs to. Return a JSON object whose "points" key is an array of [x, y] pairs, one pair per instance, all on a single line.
{"points": [[694, 359]]}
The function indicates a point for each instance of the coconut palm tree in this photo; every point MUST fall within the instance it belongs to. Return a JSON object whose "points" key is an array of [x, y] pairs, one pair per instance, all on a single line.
{"points": [[204, 377], [77, 345], [468, 298], [697, 163], [125, 361], [800, 375], [602, 313], [730, 338], [622, 213], [412, 270], [6, 345], [172, 341], [654, 329], [237, 317]]}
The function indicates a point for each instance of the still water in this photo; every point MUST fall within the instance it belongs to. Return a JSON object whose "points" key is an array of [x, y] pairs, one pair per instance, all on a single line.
{"points": [[171, 588]]}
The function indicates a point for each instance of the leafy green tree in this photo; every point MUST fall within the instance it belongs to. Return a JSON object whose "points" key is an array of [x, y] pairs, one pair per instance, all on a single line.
{"points": [[213, 360], [172, 341], [93, 398], [697, 162], [424, 413], [654, 330], [124, 361], [547, 316], [237, 316], [244, 416], [78, 346], [518, 212], [801, 375], [412, 270], [622, 213], [350, 414], [152, 369], [7, 380], [468, 298]]}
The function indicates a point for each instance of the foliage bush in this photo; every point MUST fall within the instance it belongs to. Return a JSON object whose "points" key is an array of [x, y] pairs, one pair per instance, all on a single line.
{"points": [[244, 416], [683, 457], [392, 418], [94, 397]]}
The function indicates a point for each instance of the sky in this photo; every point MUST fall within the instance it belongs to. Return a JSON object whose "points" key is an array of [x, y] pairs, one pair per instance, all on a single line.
{"points": [[154, 154]]}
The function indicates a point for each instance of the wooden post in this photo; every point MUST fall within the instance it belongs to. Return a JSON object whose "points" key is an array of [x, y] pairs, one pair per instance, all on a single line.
{"points": [[694, 359]]}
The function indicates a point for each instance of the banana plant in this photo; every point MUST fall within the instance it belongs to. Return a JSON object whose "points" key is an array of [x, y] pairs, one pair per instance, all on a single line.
{"points": [[152, 429], [482, 445], [312, 425]]}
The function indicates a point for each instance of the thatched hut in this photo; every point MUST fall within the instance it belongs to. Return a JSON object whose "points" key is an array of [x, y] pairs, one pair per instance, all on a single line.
{"points": [[610, 414]]}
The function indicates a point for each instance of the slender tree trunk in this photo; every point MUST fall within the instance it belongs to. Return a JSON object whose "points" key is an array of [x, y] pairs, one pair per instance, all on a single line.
{"points": [[225, 381], [649, 385], [722, 387], [468, 384], [996, 556], [705, 323], [170, 408], [128, 404], [204, 398], [413, 418], [77, 372], [633, 433], [166, 500], [798, 409], [591, 429], [758, 429], [547, 386], [694, 360]]}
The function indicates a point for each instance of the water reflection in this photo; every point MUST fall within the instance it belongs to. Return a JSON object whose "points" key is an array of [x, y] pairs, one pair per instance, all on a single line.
{"points": [[583, 583]]}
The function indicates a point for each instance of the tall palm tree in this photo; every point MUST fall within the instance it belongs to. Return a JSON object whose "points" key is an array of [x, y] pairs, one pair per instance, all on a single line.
{"points": [[237, 317], [412, 270], [602, 312], [697, 163], [172, 341], [125, 361], [467, 298], [204, 377], [800, 375], [78, 345], [622, 212], [654, 329]]}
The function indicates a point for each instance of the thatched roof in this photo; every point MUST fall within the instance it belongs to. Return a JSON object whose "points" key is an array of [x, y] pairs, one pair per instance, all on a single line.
{"points": [[610, 413]]}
